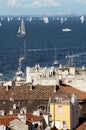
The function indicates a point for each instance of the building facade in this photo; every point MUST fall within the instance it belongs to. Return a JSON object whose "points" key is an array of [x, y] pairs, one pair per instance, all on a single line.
{"points": [[64, 113]]}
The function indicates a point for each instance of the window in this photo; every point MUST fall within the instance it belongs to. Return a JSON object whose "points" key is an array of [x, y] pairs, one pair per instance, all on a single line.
{"points": [[59, 109], [36, 125], [69, 81]]}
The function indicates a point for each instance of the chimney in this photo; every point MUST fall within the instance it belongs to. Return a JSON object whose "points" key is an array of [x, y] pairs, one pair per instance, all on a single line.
{"points": [[11, 99], [56, 87], [14, 106], [11, 112], [7, 87], [1, 112], [31, 87], [60, 80], [18, 105]]}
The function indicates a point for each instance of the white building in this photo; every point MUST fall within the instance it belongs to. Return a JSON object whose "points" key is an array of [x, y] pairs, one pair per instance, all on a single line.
{"points": [[44, 76], [75, 77]]}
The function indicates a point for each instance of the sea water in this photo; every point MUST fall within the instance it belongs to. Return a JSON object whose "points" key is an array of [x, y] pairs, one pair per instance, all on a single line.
{"points": [[40, 43]]}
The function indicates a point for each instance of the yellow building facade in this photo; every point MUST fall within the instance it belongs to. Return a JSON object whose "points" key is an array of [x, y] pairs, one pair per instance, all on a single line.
{"points": [[64, 114], [60, 115]]}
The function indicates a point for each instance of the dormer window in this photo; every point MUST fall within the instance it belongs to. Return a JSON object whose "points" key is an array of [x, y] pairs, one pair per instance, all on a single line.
{"points": [[42, 108]]}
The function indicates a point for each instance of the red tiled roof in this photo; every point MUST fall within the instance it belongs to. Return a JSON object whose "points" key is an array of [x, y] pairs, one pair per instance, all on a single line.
{"points": [[5, 120], [82, 126], [34, 117], [70, 90]]}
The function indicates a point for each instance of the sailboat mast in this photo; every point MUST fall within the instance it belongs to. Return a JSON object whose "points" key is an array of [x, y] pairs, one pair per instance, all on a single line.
{"points": [[55, 54], [25, 55]]}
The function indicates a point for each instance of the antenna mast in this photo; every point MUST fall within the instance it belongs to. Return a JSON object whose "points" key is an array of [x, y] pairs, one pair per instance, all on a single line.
{"points": [[70, 59]]}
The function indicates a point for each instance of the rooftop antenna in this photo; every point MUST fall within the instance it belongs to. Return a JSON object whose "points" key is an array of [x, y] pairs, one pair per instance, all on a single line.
{"points": [[70, 59]]}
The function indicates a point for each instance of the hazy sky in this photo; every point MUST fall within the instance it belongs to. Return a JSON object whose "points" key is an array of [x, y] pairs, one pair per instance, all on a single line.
{"points": [[42, 7]]}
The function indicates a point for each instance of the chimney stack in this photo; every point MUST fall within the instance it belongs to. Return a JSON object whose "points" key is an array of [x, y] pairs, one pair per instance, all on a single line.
{"points": [[56, 87], [31, 87]]}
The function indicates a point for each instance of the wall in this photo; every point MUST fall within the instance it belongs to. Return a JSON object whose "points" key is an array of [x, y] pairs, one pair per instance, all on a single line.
{"points": [[64, 116]]}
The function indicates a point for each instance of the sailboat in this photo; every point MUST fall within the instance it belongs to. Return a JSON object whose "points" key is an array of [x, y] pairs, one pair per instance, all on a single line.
{"points": [[21, 30], [8, 19], [30, 19], [82, 19], [45, 19], [0, 24]]}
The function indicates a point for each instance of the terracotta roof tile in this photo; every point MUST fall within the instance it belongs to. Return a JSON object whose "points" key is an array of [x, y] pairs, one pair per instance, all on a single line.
{"points": [[24, 93], [82, 126], [38, 93], [81, 95], [34, 117], [5, 120]]}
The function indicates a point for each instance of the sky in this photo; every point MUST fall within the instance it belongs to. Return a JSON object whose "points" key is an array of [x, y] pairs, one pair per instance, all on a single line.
{"points": [[42, 7]]}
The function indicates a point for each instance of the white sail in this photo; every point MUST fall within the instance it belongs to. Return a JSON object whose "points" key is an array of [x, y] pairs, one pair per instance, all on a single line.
{"points": [[21, 29], [62, 20], [45, 19], [82, 19], [0, 24], [30, 19], [8, 19]]}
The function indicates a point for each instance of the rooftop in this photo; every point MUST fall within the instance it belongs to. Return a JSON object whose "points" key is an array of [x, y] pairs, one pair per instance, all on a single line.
{"points": [[82, 126], [24, 92], [32, 99], [39, 92], [5, 120], [70, 90]]}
